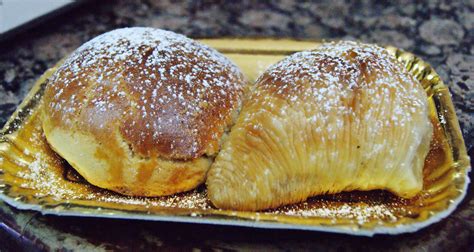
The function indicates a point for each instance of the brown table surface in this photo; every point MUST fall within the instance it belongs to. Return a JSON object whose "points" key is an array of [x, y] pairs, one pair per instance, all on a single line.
{"points": [[441, 32]]}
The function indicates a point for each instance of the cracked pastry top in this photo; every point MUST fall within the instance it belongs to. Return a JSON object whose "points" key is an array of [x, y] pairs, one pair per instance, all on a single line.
{"points": [[141, 111], [345, 116]]}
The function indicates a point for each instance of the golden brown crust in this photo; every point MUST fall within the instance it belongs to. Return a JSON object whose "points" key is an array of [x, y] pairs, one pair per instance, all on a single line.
{"points": [[345, 116], [169, 95], [148, 107]]}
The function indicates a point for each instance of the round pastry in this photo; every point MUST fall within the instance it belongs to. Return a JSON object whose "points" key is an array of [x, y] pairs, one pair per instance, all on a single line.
{"points": [[346, 116], [141, 111]]}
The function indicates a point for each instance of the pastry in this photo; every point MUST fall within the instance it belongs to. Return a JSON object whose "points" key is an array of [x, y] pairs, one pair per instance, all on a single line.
{"points": [[345, 116], [141, 111]]}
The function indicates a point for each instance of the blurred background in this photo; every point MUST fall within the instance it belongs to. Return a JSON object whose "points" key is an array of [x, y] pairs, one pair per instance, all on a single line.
{"points": [[440, 32]]}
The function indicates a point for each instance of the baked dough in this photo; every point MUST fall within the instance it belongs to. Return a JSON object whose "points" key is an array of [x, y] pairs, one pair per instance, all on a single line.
{"points": [[346, 116], [142, 111]]}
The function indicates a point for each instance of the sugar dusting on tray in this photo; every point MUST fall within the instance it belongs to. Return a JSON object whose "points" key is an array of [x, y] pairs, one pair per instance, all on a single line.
{"points": [[43, 179], [50, 176]]}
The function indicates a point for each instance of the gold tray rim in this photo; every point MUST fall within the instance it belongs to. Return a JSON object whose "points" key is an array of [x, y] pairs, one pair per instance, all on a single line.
{"points": [[74, 210]]}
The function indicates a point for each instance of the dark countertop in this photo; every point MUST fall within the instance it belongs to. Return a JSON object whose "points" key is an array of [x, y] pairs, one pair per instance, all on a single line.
{"points": [[441, 32]]}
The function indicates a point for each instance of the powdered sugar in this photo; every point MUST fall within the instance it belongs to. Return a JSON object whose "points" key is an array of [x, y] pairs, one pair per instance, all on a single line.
{"points": [[174, 78], [45, 180], [333, 74]]}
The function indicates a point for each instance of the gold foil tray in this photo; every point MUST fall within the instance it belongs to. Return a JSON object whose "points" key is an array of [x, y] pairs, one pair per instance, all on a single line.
{"points": [[33, 177]]}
